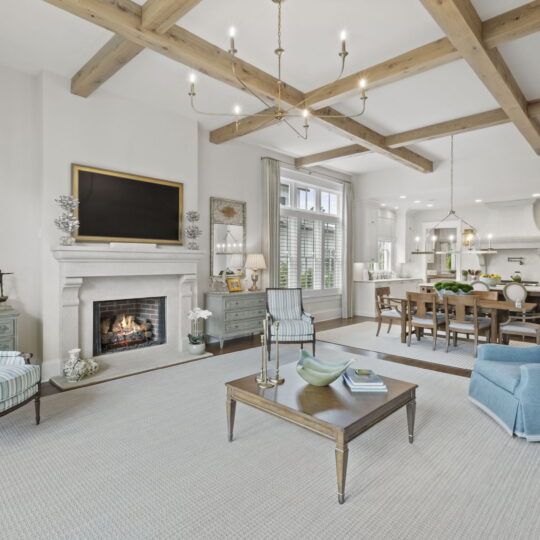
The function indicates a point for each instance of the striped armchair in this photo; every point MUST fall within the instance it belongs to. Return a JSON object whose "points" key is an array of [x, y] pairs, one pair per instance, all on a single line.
{"points": [[295, 325], [20, 382]]}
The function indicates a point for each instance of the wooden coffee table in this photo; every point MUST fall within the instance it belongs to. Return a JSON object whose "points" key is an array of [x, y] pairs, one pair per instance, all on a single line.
{"points": [[331, 411]]}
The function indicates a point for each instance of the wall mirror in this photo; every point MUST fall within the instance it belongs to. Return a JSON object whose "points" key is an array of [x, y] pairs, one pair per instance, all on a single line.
{"points": [[227, 237]]}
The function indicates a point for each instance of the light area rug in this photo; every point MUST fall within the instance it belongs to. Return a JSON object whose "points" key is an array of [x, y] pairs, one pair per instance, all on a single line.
{"points": [[362, 336], [148, 457]]}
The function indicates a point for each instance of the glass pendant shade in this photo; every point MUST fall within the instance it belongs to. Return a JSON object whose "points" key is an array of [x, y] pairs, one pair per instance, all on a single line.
{"points": [[468, 238]]}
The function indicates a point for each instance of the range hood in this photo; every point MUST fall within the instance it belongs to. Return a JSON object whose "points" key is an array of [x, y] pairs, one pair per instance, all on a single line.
{"points": [[514, 224]]}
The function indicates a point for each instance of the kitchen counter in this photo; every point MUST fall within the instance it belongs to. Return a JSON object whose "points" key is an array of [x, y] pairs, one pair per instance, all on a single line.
{"points": [[386, 280], [530, 288], [364, 292]]}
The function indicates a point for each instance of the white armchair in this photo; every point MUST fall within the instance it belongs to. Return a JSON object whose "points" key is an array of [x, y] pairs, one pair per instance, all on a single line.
{"points": [[20, 382], [295, 325]]}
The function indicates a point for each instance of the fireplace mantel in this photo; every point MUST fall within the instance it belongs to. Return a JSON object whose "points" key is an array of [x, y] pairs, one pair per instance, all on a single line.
{"points": [[101, 266], [102, 259]]}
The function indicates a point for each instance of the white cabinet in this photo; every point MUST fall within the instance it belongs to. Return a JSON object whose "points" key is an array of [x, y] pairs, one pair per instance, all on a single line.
{"points": [[364, 293], [367, 216]]}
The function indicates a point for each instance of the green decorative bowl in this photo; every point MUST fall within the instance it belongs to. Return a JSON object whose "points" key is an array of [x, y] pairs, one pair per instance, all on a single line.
{"points": [[317, 372]]}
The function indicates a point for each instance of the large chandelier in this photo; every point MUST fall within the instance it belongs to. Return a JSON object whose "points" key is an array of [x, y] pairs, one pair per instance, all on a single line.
{"points": [[278, 111], [469, 235]]}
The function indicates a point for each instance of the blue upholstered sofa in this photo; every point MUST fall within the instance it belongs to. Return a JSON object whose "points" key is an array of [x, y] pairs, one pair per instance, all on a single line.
{"points": [[505, 383]]}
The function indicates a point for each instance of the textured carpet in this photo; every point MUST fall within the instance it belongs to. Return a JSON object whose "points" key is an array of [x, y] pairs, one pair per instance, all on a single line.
{"points": [[147, 457], [362, 336]]}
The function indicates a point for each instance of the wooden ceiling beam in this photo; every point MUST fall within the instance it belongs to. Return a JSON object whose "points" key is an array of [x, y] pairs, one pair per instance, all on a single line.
{"points": [[508, 26], [157, 15], [245, 126], [372, 140], [123, 18], [161, 15], [343, 151], [435, 131], [463, 26]]}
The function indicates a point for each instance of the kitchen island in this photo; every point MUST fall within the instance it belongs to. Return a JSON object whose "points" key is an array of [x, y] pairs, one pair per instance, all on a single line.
{"points": [[364, 292]]}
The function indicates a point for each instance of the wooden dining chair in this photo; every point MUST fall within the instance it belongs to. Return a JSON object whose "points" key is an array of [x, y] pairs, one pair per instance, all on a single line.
{"points": [[461, 317], [387, 309], [422, 314], [485, 295]]}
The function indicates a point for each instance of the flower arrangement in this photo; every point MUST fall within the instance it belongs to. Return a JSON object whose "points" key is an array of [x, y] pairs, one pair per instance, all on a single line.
{"points": [[452, 287], [67, 222], [192, 230], [196, 337]]}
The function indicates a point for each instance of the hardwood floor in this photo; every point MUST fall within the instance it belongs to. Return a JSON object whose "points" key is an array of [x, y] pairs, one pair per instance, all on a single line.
{"points": [[250, 342]]}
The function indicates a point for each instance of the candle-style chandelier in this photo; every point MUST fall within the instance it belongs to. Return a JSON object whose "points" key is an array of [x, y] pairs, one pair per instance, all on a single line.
{"points": [[278, 111]]}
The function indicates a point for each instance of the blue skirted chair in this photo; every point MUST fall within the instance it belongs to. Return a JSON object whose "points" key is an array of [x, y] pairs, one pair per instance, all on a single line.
{"points": [[295, 325], [505, 383], [20, 382]]}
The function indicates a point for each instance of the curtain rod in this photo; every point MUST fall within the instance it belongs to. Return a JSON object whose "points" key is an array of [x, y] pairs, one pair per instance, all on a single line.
{"points": [[309, 171]]}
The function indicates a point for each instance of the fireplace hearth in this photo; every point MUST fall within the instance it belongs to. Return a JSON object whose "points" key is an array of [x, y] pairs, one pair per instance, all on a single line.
{"points": [[126, 324]]}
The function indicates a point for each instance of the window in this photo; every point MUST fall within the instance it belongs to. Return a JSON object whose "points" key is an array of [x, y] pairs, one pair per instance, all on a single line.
{"points": [[285, 195], [329, 202], [306, 198], [385, 256], [310, 237]]}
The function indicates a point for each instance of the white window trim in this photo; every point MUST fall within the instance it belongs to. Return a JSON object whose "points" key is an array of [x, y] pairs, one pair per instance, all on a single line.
{"points": [[315, 215]]}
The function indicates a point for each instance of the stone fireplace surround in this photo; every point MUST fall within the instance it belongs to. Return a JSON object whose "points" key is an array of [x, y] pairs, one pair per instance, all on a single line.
{"points": [[89, 273]]}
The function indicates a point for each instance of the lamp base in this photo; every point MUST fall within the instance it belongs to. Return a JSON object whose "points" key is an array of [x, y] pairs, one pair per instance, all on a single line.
{"points": [[254, 279]]}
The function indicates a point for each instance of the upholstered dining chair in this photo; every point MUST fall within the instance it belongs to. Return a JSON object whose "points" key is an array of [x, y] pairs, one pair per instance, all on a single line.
{"points": [[422, 314], [515, 292], [387, 310], [20, 382], [480, 286], [461, 317], [295, 325]]}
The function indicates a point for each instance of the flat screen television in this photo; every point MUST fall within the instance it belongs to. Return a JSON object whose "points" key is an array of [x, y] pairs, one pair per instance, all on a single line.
{"points": [[120, 207]]}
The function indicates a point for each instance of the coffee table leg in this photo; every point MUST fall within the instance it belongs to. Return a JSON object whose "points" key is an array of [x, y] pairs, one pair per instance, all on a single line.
{"points": [[411, 410], [231, 410], [342, 454]]}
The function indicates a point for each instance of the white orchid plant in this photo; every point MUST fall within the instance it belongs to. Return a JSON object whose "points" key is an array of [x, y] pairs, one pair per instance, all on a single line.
{"points": [[195, 316]]}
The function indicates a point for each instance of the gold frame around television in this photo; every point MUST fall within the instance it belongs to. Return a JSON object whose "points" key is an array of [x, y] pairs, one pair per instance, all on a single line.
{"points": [[75, 192]]}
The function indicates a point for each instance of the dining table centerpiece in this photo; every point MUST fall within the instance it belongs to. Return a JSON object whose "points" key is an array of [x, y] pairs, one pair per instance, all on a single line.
{"points": [[452, 287]]}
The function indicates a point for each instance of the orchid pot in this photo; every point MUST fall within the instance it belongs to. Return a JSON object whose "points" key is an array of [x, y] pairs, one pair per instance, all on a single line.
{"points": [[196, 343]]}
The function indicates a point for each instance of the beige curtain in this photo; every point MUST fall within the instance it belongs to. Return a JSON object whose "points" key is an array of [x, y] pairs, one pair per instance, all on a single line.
{"points": [[271, 176], [347, 307]]}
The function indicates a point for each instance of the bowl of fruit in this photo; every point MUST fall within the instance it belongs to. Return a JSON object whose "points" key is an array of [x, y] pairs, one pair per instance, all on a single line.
{"points": [[490, 279]]}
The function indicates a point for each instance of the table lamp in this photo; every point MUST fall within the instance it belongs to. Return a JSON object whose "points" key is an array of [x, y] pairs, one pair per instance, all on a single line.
{"points": [[255, 263]]}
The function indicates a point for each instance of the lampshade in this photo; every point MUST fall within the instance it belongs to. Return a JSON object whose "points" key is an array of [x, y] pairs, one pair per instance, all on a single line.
{"points": [[255, 261]]}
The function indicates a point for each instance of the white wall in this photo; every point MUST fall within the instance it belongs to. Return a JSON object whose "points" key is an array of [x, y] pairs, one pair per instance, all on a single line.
{"points": [[233, 170], [490, 220], [20, 212], [45, 129]]}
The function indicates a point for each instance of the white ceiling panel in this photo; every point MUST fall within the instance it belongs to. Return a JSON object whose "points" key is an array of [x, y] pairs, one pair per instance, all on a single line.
{"points": [[440, 94]]}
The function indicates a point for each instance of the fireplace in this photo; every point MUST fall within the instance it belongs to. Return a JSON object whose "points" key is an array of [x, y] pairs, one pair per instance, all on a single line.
{"points": [[121, 325]]}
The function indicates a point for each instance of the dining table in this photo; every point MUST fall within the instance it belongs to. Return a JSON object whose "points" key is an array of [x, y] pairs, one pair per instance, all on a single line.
{"points": [[494, 308]]}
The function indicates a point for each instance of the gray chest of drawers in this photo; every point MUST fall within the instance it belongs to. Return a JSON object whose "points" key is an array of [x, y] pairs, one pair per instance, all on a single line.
{"points": [[8, 330], [234, 314]]}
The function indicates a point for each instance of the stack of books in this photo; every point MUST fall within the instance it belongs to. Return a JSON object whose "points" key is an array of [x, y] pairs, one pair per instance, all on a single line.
{"points": [[363, 380]]}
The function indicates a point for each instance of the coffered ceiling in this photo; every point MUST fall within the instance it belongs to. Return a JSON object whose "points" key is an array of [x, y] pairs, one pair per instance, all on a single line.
{"points": [[62, 43]]}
